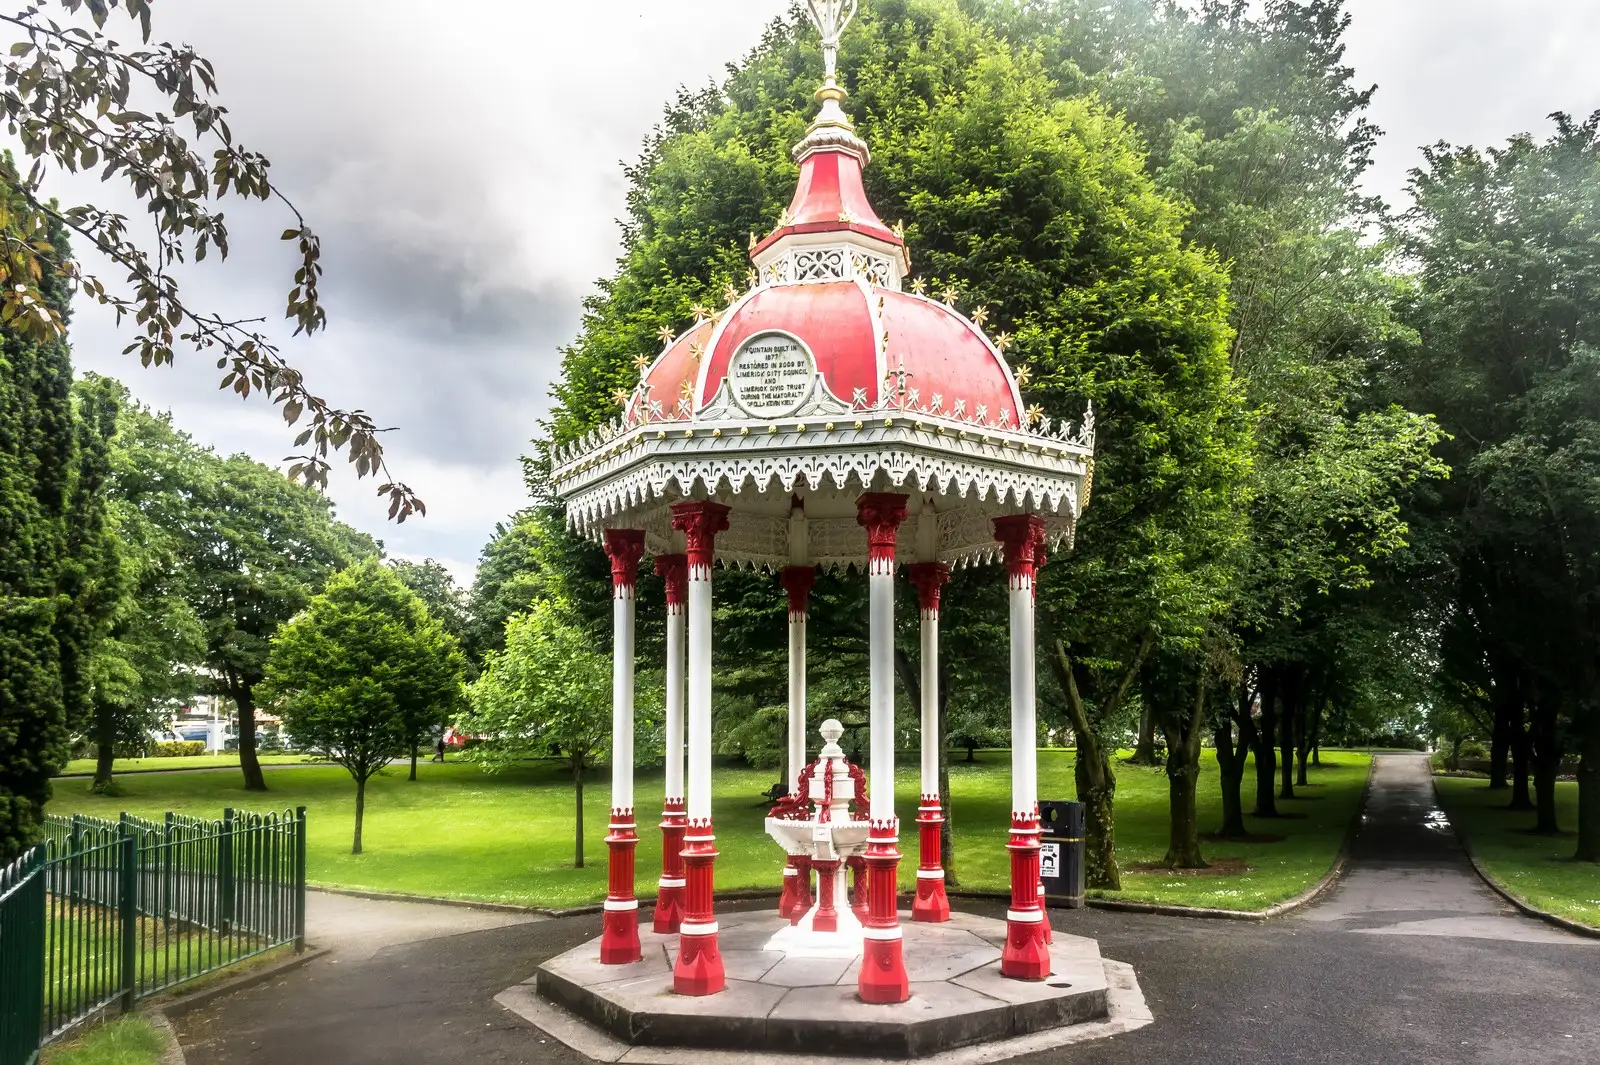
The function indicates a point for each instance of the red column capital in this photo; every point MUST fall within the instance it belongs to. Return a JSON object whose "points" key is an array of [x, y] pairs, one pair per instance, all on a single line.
{"points": [[928, 578], [881, 514], [1022, 536], [674, 572], [625, 547], [699, 521], [797, 581]]}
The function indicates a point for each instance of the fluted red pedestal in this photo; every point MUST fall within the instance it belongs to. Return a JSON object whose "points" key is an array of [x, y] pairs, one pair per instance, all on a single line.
{"points": [[931, 904], [669, 893], [699, 968], [796, 900], [1026, 954], [619, 937], [883, 968]]}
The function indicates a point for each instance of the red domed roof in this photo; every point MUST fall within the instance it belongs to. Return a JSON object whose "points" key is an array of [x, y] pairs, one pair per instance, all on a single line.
{"points": [[856, 335]]}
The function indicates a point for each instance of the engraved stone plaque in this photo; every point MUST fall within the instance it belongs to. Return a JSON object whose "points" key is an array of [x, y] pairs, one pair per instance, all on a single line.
{"points": [[771, 375]]}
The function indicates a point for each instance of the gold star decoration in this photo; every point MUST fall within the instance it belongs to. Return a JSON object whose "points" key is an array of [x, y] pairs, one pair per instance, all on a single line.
{"points": [[666, 335], [686, 390], [641, 363], [1003, 341], [949, 295], [753, 240], [697, 350], [847, 218], [700, 312], [784, 218], [729, 293], [621, 396], [751, 278], [1024, 375], [900, 230], [980, 316], [919, 286], [1035, 414]]}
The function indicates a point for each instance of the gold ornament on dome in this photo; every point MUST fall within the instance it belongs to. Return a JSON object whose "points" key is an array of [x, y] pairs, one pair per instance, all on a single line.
{"points": [[1024, 375], [1035, 414], [729, 293], [641, 363], [846, 217], [949, 295], [919, 287], [980, 316], [666, 335], [621, 396], [700, 312], [900, 230], [697, 350], [1003, 341]]}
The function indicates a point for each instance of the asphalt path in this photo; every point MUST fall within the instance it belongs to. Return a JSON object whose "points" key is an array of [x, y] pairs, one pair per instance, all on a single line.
{"points": [[1408, 960]]}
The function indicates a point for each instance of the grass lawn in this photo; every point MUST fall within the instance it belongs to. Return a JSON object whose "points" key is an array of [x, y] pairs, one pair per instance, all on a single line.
{"points": [[1536, 869], [193, 761], [125, 1041], [463, 833]]}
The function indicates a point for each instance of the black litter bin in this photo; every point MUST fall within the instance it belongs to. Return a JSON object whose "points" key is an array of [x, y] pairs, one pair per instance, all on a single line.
{"points": [[1061, 852]]}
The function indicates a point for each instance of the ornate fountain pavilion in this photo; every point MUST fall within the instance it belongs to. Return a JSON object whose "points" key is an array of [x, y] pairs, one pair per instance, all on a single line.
{"points": [[826, 417]]}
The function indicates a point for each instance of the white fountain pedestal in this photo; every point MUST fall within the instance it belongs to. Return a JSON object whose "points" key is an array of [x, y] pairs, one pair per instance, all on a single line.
{"points": [[829, 837]]}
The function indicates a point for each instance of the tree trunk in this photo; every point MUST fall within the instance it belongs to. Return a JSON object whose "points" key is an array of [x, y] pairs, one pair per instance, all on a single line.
{"points": [[254, 779], [1500, 741], [972, 753], [1183, 776], [1230, 764], [577, 819], [1144, 752], [1521, 767], [361, 810], [1546, 765], [1266, 751], [1092, 772], [1288, 710], [413, 762], [105, 749], [1589, 789]]}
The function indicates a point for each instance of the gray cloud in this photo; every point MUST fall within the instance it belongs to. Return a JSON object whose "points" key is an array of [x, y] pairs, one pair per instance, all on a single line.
{"points": [[461, 162]]}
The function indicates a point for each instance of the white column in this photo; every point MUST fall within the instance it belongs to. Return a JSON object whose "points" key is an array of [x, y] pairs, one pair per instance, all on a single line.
{"points": [[797, 698], [930, 702], [622, 615], [881, 702], [674, 726], [699, 794], [1024, 732]]}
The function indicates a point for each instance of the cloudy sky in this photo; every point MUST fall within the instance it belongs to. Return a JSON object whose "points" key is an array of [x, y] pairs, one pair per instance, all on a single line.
{"points": [[462, 163]]}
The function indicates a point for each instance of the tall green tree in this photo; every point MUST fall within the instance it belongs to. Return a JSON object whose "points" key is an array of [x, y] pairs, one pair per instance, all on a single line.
{"points": [[506, 583], [357, 667], [37, 466], [1506, 243], [548, 693], [149, 654]]}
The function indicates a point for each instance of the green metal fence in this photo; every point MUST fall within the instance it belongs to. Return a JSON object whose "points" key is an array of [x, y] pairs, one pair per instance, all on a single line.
{"points": [[104, 913]]}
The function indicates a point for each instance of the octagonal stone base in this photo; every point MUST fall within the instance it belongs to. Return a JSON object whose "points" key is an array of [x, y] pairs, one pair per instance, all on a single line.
{"points": [[778, 1004]]}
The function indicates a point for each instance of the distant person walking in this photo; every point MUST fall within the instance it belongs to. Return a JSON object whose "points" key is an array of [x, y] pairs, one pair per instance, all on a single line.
{"points": [[438, 748]]}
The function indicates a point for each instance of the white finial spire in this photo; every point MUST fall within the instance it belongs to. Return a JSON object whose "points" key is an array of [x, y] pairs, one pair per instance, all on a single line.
{"points": [[831, 17]]}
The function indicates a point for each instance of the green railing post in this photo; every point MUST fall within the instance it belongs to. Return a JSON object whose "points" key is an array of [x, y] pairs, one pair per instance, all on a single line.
{"points": [[75, 864], [128, 905], [225, 872], [166, 872], [300, 880]]}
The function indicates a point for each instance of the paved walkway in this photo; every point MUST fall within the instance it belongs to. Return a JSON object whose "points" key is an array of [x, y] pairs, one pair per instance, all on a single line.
{"points": [[1409, 876], [1408, 961]]}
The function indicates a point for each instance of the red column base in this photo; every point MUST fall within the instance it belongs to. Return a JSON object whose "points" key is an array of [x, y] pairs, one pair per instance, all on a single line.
{"points": [[1026, 955], [858, 886], [827, 918], [670, 888], [669, 908], [790, 899], [931, 905], [883, 972], [699, 969], [619, 937], [619, 934]]}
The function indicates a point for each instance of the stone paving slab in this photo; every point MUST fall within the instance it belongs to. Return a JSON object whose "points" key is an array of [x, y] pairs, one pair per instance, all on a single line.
{"points": [[778, 1004]]}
